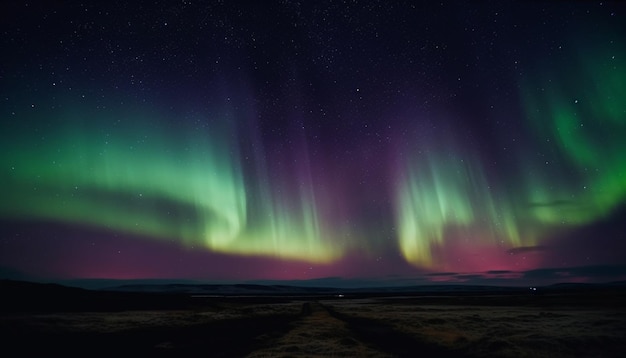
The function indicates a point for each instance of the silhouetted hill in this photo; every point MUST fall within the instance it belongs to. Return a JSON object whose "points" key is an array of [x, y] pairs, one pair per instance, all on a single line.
{"points": [[29, 296]]}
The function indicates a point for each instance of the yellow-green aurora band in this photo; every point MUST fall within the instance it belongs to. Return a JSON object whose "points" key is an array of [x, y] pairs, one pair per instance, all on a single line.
{"points": [[571, 171], [142, 177]]}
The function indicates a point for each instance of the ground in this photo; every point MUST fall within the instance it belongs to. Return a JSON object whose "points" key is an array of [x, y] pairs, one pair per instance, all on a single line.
{"points": [[452, 325]]}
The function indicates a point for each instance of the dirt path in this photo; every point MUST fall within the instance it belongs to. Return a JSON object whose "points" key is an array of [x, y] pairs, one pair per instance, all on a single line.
{"points": [[319, 334], [318, 331]]}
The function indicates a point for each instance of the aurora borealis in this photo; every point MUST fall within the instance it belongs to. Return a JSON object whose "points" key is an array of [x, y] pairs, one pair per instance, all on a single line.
{"points": [[287, 140]]}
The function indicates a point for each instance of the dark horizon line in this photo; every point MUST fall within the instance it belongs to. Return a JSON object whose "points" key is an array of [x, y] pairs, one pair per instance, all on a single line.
{"points": [[121, 284]]}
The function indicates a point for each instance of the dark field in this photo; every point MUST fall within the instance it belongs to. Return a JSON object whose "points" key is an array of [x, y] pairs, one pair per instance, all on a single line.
{"points": [[53, 321]]}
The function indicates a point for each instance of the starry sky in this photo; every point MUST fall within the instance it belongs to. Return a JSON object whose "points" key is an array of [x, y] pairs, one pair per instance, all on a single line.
{"points": [[397, 141]]}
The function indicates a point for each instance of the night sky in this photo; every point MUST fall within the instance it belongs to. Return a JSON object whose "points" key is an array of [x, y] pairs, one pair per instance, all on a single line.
{"points": [[453, 141]]}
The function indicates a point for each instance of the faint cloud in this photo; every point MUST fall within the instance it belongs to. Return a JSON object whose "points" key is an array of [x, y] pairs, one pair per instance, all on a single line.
{"points": [[526, 249], [594, 273]]}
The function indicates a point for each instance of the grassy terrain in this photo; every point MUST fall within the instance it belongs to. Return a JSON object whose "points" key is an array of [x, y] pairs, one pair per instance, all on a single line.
{"points": [[498, 331], [566, 324]]}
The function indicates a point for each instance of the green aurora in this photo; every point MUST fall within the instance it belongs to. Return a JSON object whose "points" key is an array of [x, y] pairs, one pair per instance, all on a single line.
{"points": [[144, 179], [189, 185], [577, 117]]}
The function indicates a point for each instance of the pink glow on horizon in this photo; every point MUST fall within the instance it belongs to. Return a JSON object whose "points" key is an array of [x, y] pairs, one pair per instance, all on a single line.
{"points": [[468, 254]]}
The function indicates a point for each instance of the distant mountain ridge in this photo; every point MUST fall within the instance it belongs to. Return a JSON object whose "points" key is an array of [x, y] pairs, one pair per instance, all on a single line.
{"points": [[24, 296]]}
